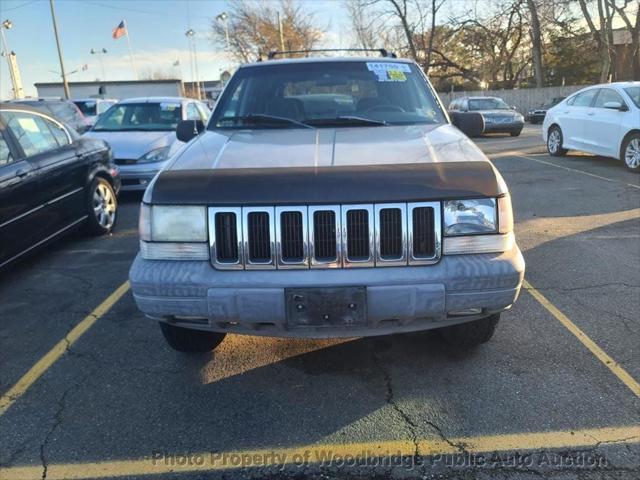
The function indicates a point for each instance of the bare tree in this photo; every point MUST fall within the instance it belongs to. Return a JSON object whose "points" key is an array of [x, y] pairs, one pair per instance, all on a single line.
{"points": [[254, 31], [601, 33], [624, 12], [536, 42]]}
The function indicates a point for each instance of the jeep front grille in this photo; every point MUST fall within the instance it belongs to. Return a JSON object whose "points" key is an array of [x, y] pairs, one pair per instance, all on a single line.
{"points": [[325, 236]]}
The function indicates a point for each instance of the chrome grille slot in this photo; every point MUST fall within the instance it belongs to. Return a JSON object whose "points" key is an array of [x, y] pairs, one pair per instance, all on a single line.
{"points": [[391, 234], [258, 237], [226, 237], [324, 237], [424, 231], [225, 234], [292, 237], [358, 235], [423, 246], [259, 241]]}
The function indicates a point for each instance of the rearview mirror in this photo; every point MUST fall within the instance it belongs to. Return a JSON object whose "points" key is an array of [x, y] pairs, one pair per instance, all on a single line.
{"points": [[189, 129], [616, 106]]}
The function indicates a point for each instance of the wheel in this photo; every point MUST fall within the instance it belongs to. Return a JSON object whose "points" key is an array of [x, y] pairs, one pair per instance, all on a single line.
{"points": [[101, 206], [554, 142], [630, 154], [190, 341], [516, 134], [471, 334]]}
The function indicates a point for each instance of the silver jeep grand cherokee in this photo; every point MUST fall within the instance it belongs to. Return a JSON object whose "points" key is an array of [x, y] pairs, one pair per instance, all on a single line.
{"points": [[326, 197]]}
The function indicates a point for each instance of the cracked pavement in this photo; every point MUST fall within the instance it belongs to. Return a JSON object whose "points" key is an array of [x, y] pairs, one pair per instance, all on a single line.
{"points": [[119, 393]]}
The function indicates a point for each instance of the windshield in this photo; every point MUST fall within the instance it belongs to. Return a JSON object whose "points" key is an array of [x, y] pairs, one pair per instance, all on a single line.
{"points": [[87, 107], [634, 93], [160, 116], [327, 94], [487, 104]]}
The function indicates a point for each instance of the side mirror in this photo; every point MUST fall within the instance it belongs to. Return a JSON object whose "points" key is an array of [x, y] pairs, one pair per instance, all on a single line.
{"points": [[469, 123], [189, 129], [616, 106], [513, 107]]}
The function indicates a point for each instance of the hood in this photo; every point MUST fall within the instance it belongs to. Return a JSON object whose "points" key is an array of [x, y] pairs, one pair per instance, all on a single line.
{"points": [[327, 147], [322, 166], [132, 145]]}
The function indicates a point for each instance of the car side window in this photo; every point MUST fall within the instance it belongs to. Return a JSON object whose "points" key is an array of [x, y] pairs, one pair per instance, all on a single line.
{"points": [[192, 112], [31, 131], [584, 99], [607, 95], [5, 152], [61, 136]]}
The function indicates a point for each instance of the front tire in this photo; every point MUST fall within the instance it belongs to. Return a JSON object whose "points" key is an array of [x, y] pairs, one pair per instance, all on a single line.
{"points": [[516, 134], [465, 336], [101, 207], [187, 340], [630, 153], [554, 142]]}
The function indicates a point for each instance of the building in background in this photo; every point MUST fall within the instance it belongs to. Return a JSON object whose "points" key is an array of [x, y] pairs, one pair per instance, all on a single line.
{"points": [[114, 89]]}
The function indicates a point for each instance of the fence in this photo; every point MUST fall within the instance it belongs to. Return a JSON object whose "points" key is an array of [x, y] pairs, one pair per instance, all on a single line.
{"points": [[523, 99]]}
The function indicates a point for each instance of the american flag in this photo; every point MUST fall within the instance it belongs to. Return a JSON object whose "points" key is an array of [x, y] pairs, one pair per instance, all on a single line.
{"points": [[119, 31]]}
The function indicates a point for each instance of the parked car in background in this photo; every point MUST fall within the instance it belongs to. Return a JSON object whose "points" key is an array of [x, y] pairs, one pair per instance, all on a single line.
{"points": [[536, 115], [62, 110], [498, 117], [327, 197], [602, 119], [92, 108], [51, 180], [142, 134]]}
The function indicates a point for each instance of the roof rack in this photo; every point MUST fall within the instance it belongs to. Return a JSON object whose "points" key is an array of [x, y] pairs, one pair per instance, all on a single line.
{"points": [[382, 51]]}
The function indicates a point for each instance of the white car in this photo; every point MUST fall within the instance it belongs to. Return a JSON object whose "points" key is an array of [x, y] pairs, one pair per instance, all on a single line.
{"points": [[92, 108], [602, 119]]}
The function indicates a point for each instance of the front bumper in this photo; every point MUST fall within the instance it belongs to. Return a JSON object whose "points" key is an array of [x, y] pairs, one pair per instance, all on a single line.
{"points": [[503, 127], [193, 294], [136, 177]]}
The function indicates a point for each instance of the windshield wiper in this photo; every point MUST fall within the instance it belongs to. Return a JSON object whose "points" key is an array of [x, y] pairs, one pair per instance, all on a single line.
{"points": [[349, 120], [258, 118]]}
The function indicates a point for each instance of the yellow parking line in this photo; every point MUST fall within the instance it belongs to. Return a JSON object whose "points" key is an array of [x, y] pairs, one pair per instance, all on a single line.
{"points": [[162, 463], [576, 170], [58, 350], [609, 362]]}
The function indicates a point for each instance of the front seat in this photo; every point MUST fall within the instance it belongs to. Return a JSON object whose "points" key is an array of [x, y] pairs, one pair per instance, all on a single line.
{"points": [[285, 107]]}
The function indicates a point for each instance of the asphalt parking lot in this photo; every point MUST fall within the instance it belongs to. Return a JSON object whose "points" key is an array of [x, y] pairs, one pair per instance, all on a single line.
{"points": [[555, 393]]}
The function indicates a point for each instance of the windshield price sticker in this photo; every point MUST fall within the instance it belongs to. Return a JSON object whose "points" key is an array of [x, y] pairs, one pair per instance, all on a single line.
{"points": [[389, 72], [169, 106]]}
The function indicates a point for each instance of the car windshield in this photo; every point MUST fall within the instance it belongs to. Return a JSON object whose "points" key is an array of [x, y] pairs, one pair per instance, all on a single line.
{"points": [[327, 94], [87, 107], [141, 117], [488, 104], [634, 93]]}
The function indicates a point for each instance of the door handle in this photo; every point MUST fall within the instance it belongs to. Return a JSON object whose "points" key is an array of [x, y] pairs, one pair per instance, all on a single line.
{"points": [[590, 114], [22, 173]]}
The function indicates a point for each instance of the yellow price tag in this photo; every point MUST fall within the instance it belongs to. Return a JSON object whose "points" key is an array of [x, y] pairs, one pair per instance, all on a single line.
{"points": [[397, 75]]}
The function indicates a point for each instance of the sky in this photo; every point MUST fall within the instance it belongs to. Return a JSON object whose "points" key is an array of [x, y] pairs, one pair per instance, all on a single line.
{"points": [[157, 33]]}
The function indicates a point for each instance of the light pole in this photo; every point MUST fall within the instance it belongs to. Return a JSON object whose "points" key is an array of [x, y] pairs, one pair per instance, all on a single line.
{"points": [[223, 18], [11, 60], [55, 31], [99, 52], [194, 54]]}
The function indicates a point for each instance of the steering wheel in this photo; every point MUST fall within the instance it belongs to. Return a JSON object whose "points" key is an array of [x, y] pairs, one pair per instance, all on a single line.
{"points": [[385, 107]]}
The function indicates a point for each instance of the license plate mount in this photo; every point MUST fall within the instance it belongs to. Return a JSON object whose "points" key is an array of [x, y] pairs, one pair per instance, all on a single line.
{"points": [[326, 307]]}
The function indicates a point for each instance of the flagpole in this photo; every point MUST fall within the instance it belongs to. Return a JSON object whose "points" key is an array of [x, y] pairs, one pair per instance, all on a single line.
{"points": [[133, 62]]}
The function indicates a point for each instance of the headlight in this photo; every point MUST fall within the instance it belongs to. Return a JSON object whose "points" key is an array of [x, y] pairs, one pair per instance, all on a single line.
{"points": [[173, 232], [468, 217], [478, 226], [519, 117], [157, 155]]}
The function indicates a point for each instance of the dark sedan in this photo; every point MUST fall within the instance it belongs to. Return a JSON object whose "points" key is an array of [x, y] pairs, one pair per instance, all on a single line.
{"points": [[536, 115], [51, 180], [498, 117], [63, 110]]}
